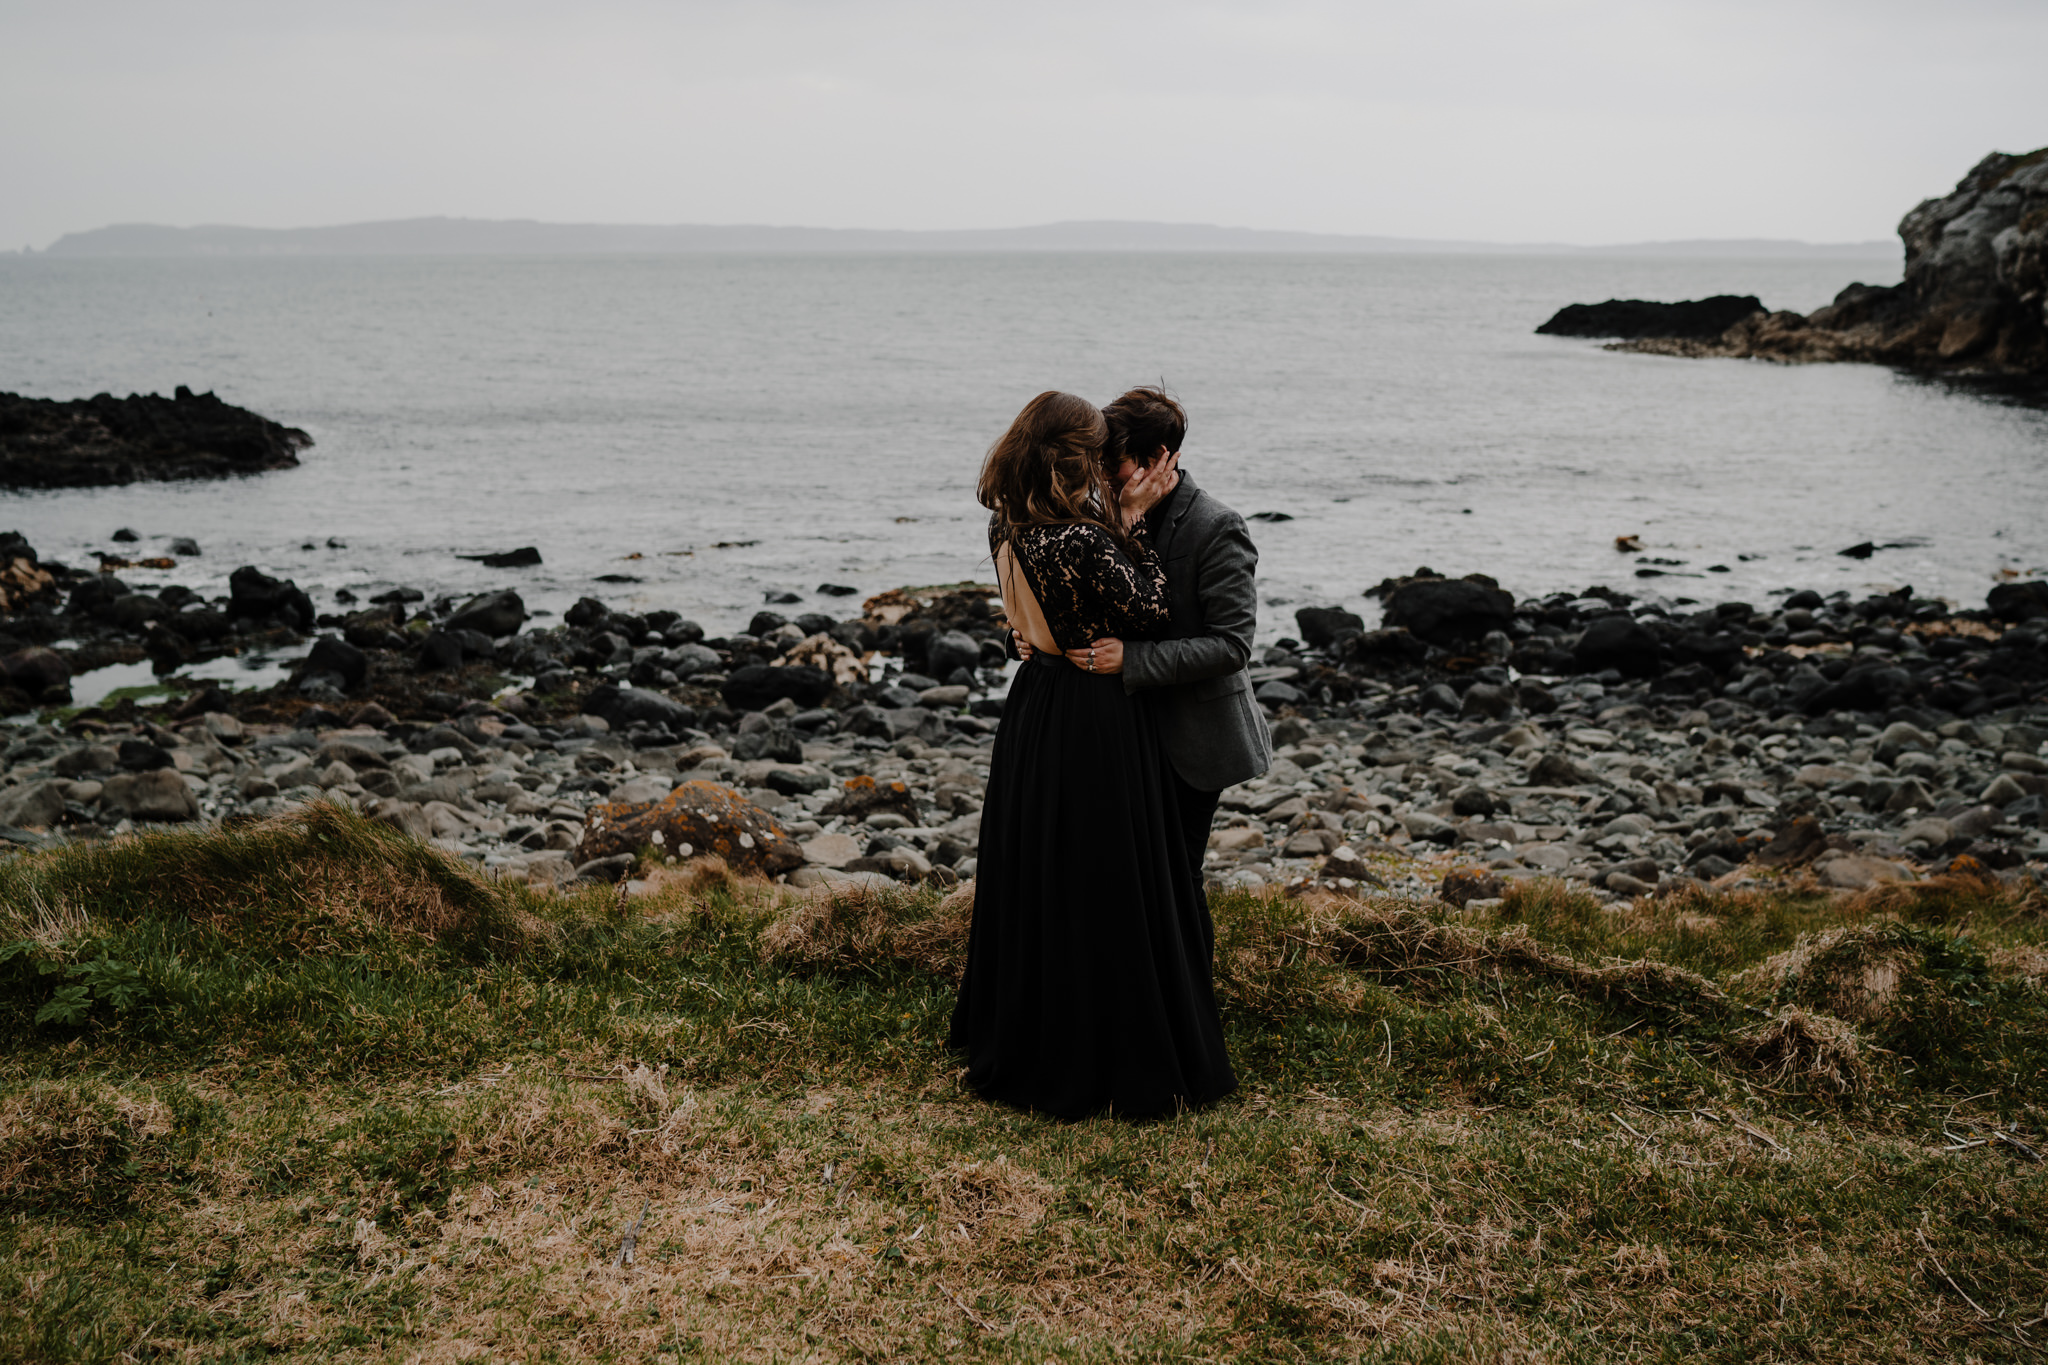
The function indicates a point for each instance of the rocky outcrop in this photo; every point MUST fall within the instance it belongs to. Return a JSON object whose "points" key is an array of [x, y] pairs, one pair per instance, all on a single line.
{"points": [[95, 442], [1974, 298], [1699, 319]]}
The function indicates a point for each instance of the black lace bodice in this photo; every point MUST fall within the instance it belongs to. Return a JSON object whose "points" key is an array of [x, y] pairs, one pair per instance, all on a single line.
{"points": [[1087, 585]]}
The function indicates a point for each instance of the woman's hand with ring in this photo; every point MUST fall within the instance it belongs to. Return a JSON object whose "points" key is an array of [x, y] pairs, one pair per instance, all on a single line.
{"points": [[1099, 656]]}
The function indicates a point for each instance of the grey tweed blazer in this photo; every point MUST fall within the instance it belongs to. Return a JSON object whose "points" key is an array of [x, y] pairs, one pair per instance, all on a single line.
{"points": [[1214, 732]]}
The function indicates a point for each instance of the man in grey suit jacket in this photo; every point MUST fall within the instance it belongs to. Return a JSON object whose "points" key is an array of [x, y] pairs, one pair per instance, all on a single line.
{"points": [[1214, 732]]}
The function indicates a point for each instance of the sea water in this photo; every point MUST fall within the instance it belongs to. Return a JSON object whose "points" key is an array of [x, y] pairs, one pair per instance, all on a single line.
{"points": [[700, 432]]}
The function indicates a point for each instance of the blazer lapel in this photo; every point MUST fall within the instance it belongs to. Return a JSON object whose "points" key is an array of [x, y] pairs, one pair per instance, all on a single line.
{"points": [[1183, 499]]}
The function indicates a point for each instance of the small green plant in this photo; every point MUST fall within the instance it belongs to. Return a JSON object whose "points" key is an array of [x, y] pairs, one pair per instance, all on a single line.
{"points": [[104, 980]]}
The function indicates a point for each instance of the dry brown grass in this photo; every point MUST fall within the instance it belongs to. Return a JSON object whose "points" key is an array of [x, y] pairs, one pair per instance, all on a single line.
{"points": [[309, 876], [1815, 1048], [1446, 1147], [1857, 972], [845, 929], [1951, 898], [1391, 935], [1270, 949], [2022, 960], [69, 1146]]}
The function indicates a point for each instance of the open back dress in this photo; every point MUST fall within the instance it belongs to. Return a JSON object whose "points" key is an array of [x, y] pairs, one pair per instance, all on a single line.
{"points": [[1087, 988]]}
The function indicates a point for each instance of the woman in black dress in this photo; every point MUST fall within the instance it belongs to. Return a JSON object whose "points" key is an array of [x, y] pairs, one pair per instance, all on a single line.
{"points": [[1087, 988]]}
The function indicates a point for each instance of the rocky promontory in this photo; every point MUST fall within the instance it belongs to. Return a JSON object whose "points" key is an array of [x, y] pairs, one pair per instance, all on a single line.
{"points": [[103, 440], [1974, 298]]}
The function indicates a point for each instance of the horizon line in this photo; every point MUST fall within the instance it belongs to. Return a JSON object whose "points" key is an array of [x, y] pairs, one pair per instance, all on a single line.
{"points": [[443, 234]]}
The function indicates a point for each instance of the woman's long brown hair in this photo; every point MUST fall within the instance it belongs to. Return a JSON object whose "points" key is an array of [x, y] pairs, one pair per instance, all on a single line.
{"points": [[1047, 468]]}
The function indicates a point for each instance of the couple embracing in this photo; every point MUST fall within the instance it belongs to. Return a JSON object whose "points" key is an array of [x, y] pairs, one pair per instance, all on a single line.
{"points": [[1130, 597]]}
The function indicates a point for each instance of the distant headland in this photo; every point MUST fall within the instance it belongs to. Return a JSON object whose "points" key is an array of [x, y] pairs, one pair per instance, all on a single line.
{"points": [[525, 237]]}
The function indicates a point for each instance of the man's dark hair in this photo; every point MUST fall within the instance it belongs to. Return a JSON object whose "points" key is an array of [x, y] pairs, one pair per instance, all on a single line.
{"points": [[1141, 423]]}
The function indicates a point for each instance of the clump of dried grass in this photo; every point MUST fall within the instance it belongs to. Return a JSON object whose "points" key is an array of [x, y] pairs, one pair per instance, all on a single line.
{"points": [[1387, 935], [702, 877], [2023, 960], [1639, 1263], [846, 929], [1860, 972], [71, 1147], [299, 877], [995, 1196], [630, 1119], [1797, 1045], [1950, 898]]}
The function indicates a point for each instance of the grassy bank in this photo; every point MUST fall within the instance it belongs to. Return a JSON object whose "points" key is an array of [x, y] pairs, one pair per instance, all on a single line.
{"points": [[307, 1089]]}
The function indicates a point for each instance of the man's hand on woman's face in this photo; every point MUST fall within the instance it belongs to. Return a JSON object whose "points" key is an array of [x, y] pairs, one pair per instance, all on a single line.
{"points": [[1098, 656], [1146, 487]]}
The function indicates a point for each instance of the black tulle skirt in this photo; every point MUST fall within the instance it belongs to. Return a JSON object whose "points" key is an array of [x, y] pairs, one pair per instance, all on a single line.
{"points": [[1087, 988]]}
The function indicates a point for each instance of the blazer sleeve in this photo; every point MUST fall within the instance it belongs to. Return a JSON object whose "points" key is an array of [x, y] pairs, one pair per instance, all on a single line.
{"points": [[1225, 570]]}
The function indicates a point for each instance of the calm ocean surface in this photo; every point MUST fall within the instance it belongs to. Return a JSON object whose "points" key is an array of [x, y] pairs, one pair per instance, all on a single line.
{"points": [[823, 417]]}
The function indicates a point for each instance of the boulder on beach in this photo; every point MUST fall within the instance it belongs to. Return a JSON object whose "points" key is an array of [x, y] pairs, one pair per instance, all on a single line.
{"points": [[40, 674], [1321, 627], [1450, 612], [255, 595], [491, 613], [756, 687], [1618, 641], [34, 806], [623, 707], [2018, 602], [156, 794], [101, 441], [338, 657]]}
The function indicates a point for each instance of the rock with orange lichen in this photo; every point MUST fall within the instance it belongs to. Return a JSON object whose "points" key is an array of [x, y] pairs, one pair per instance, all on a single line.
{"points": [[694, 820]]}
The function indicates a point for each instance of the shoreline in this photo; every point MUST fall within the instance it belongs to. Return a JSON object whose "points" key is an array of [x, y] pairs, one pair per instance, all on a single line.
{"points": [[1638, 751]]}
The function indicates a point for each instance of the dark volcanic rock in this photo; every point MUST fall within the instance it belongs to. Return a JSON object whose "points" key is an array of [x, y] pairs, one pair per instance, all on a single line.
{"points": [[439, 651], [38, 673], [952, 649], [1450, 611], [340, 658], [254, 594], [525, 557], [1618, 641], [758, 686], [93, 442], [2017, 602], [1322, 627], [622, 707], [492, 613], [777, 740], [1701, 319]]}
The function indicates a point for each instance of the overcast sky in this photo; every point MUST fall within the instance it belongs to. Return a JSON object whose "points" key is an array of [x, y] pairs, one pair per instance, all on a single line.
{"points": [[1507, 120]]}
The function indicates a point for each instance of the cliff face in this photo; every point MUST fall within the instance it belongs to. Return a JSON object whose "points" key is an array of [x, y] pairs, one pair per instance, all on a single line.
{"points": [[1974, 296]]}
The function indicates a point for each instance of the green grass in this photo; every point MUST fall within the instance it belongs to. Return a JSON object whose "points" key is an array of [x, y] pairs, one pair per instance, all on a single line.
{"points": [[306, 1089]]}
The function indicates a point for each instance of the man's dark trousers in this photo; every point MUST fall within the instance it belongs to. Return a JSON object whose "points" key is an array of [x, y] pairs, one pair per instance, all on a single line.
{"points": [[1197, 809]]}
